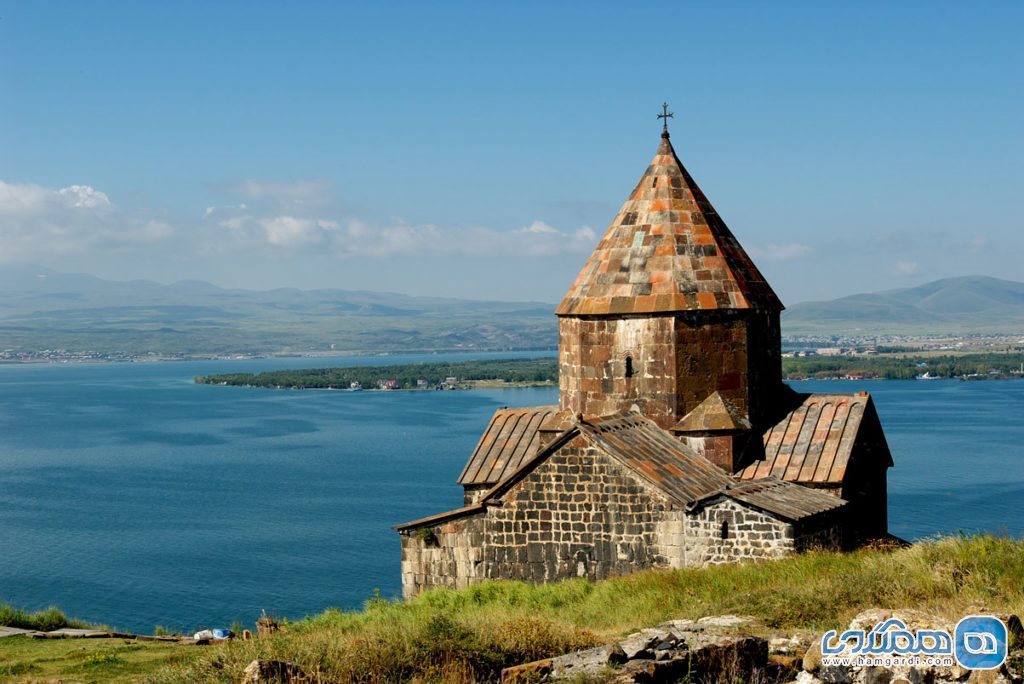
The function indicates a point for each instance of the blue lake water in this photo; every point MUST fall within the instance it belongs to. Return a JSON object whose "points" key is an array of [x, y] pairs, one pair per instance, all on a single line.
{"points": [[131, 496]]}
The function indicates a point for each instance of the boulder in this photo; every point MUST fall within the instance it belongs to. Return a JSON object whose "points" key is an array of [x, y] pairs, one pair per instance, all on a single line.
{"points": [[812, 657], [653, 671], [616, 655], [272, 671], [592, 661], [806, 678], [527, 672], [791, 646], [722, 623], [644, 640], [728, 658]]}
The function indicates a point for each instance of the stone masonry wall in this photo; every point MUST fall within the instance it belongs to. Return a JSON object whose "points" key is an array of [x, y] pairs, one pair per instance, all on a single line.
{"points": [[711, 354], [677, 361], [826, 535], [577, 515], [725, 531], [764, 345], [447, 555], [472, 494], [593, 377]]}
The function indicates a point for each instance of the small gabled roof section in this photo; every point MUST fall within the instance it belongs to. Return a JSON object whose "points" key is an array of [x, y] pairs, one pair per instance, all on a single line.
{"points": [[714, 414], [439, 518], [667, 251], [510, 439], [813, 443], [653, 454], [785, 500], [559, 422]]}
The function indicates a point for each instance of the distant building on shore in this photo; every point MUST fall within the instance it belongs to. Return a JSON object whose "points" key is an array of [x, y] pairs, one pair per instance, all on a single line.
{"points": [[675, 442]]}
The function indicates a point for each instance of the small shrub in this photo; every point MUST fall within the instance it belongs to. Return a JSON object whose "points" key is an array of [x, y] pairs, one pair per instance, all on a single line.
{"points": [[101, 658], [15, 669], [427, 535]]}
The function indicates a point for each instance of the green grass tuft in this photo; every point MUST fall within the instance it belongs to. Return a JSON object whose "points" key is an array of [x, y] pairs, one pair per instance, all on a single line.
{"points": [[43, 620]]}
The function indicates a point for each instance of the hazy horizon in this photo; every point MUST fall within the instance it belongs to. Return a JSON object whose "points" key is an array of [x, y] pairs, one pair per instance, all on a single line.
{"points": [[43, 272]]}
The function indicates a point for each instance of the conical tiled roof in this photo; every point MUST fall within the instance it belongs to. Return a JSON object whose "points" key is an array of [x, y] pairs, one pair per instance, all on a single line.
{"points": [[667, 250]]}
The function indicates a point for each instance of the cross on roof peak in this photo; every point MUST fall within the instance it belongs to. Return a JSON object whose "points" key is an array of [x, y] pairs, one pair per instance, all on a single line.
{"points": [[666, 115]]}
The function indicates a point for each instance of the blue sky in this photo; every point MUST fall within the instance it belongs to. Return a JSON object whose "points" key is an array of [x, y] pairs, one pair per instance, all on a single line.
{"points": [[481, 149]]}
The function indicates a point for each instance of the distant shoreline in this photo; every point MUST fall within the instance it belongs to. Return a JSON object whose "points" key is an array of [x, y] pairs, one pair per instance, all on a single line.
{"points": [[425, 376], [471, 385], [60, 361]]}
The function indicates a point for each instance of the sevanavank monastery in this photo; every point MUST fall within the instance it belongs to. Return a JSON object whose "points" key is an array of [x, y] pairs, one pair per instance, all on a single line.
{"points": [[675, 442]]}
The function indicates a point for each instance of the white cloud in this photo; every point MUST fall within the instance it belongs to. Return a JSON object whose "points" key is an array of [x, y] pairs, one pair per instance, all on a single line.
{"points": [[86, 197], [539, 227], [904, 268], [39, 223], [289, 230], [36, 221], [357, 238], [308, 191], [210, 211], [977, 243], [774, 252]]}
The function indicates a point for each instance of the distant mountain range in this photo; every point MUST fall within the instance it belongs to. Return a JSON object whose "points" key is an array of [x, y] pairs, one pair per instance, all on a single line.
{"points": [[967, 304], [45, 309]]}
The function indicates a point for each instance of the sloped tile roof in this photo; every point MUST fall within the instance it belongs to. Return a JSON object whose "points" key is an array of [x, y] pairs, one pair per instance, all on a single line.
{"points": [[510, 439], [714, 414], [439, 518], [812, 444], [655, 455], [647, 450], [784, 499], [667, 250]]}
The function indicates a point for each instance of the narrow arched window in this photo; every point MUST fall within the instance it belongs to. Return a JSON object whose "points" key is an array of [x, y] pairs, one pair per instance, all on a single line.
{"points": [[725, 529], [629, 366]]}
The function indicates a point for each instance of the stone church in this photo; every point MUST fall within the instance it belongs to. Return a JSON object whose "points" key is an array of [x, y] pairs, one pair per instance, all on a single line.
{"points": [[675, 442]]}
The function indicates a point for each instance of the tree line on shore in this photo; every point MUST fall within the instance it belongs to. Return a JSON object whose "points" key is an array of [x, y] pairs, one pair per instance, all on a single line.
{"points": [[545, 370], [981, 365], [405, 376]]}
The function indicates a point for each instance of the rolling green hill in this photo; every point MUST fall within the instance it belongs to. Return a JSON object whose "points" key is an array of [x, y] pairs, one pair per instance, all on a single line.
{"points": [[969, 304]]}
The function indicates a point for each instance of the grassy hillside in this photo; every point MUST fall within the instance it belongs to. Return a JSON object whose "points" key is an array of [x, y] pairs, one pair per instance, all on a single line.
{"points": [[458, 635], [472, 633]]}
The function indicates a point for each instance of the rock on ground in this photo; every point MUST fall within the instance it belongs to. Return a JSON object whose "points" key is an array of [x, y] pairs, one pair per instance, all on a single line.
{"points": [[675, 651], [276, 671]]}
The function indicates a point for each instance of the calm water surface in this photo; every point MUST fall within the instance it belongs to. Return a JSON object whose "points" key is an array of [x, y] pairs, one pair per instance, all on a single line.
{"points": [[131, 496]]}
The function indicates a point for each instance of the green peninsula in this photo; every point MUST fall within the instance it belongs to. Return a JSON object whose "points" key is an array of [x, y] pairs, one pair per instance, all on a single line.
{"points": [[439, 375]]}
